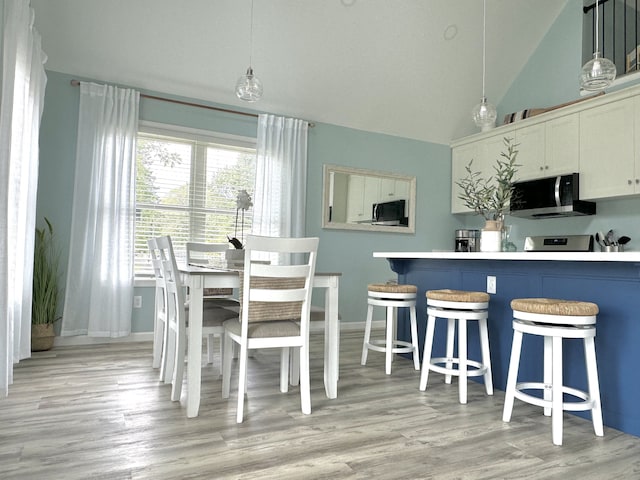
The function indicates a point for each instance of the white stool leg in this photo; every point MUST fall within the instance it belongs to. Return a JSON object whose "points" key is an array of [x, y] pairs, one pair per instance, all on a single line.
{"points": [[462, 359], [367, 335], [414, 337], [451, 332], [486, 355], [512, 376], [389, 340], [556, 400], [548, 373], [594, 386], [426, 354]]}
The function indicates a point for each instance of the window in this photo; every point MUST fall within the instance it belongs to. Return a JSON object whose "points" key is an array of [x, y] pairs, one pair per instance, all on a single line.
{"points": [[187, 184]]}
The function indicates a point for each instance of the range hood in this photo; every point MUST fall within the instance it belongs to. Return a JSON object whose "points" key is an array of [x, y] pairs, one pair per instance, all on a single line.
{"points": [[550, 197]]}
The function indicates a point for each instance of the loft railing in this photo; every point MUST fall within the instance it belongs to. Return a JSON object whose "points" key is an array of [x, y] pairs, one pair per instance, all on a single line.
{"points": [[618, 34]]}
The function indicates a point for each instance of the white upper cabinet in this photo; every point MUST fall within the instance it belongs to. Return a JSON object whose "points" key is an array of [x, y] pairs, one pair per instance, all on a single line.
{"points": [[607, 151], [484, 153], [548, 148], [562, 145], [530, 143]]}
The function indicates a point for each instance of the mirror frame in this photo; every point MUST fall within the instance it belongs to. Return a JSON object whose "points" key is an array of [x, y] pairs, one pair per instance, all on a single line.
{"points": [[328, 169]]}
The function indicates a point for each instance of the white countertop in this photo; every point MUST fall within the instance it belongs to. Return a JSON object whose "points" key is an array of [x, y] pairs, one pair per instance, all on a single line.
{"points": [[559, 256]]}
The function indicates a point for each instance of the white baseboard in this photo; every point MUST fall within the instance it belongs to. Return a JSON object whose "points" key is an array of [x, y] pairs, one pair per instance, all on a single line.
{"points": [[86, 340], [148, 336]]}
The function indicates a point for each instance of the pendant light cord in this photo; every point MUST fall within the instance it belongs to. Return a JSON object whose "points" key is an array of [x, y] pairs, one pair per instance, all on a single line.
{"points": [[597, 24], [251, 38], [484, 44]]}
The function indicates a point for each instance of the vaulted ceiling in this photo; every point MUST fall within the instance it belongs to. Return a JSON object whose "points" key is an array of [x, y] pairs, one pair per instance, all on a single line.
{"points": [[411, 68]]}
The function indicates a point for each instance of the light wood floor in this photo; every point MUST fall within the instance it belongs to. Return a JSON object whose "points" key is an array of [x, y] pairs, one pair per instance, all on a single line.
{"points": [[99, 412]]}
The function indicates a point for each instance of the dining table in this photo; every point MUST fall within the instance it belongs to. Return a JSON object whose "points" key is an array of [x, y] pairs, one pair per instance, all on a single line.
{"points": [[197, 278]]}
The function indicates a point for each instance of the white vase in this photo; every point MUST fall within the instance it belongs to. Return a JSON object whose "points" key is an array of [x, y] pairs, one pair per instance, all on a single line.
{"points": [[234, 257], [491, 237]]}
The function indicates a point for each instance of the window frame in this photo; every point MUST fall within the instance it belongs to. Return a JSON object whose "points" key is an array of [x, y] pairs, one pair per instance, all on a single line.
{"points": [[199, 155]]}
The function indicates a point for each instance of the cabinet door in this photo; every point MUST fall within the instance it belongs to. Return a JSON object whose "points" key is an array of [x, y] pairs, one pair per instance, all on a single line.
{"points": [[607, 150], [355, 198], [562, 145], [387, 189], [530, 142], [636, 146], [460, 158], [371, 195]]}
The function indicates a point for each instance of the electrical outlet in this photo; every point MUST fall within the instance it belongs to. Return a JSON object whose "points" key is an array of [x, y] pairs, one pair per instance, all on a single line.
{"points": [[491, 284], [137, 301]]}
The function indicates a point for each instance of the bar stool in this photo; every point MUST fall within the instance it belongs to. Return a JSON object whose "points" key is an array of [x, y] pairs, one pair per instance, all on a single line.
{"points": [[555, 320], [391, 296], [461, 306]]}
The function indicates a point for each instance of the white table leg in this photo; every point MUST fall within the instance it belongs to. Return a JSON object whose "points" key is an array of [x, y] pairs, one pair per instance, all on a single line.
{"points": [[331, 339], [194, 346]]}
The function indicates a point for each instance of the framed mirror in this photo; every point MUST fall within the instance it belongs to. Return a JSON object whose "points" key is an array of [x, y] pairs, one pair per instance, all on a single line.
{"points": [[358, 199]]}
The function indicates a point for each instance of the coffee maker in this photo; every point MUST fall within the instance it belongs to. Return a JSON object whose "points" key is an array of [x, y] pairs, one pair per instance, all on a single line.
{"points": [[467, 240]]}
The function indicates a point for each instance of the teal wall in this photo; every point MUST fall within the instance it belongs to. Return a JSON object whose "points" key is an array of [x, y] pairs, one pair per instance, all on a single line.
{"points": [[349, 252]]}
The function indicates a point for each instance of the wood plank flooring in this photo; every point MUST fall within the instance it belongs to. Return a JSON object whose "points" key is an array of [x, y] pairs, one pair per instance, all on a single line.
{"points": [[99, 412]]}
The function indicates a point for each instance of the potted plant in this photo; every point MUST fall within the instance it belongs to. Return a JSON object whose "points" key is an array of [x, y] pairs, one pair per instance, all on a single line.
{"points": [[236, 255], [491, 197], [46, 289]]}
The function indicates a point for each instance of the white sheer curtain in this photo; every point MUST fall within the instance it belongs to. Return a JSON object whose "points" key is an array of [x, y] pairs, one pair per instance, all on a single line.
{"points": [[281, 177], [99, 291], [23, 84]]}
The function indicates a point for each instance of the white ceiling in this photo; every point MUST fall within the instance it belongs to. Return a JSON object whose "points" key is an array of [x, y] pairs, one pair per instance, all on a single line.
{"points": [[375, 65]]}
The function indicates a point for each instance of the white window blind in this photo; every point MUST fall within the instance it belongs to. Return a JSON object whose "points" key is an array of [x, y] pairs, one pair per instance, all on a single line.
{"points": [[187, 183]]}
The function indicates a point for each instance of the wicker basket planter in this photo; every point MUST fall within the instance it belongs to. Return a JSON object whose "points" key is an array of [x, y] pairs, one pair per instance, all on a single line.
{"points": [[42, 337]]}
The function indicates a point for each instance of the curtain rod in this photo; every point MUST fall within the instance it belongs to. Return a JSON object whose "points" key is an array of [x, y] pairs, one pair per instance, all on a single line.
{"points": [[76, 83]]}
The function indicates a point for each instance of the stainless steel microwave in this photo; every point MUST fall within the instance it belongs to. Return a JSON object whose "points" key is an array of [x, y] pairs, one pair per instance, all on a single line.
{"points": [[389, 213], [550, 197]]}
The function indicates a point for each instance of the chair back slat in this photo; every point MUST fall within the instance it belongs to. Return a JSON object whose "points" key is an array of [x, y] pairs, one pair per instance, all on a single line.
{"points": [[277, 292], [200, 253]]}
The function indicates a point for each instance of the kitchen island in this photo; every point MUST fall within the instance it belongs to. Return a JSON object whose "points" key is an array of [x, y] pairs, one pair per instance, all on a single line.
{"points": [[611, 280]]}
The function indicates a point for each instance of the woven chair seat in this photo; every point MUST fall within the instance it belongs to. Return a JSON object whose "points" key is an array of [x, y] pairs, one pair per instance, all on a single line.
{"points": [[552, 306], [391, 288], [447, 295]]}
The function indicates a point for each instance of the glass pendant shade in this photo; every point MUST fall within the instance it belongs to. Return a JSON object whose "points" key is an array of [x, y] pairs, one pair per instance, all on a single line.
{"points": [[484, 115], [249, 87], [597, 74]]}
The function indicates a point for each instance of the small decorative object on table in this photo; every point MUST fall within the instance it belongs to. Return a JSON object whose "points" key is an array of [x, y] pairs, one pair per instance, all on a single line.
{"points": [[235, 256], [491, 197]]}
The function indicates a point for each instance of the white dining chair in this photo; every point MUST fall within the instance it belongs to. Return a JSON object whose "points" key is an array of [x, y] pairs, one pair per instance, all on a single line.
{"points": [[275, 309], [175, 338], [212, 255], [160, 307]]}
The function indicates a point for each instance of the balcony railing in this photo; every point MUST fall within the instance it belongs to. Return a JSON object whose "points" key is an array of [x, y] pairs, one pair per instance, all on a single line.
{"points": [[618, 34]]}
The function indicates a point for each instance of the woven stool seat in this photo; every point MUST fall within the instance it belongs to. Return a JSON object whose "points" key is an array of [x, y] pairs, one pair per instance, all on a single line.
{"points": [[555, 321], [392, 288], [458, 296], [391, 296], [552, 306]]}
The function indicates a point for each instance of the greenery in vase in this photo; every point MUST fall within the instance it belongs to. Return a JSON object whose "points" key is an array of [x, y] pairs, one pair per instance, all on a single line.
{"points": [[46, 280], [243, 202], [491, 197]]}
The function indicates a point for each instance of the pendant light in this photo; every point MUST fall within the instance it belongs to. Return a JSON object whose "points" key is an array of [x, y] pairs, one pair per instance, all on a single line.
{"points": [[249, 87], [484, 114], [600, 72]]}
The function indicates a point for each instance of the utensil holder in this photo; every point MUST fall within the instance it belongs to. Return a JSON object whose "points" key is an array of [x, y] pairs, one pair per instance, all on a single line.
{"points": [[612, 248]]}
